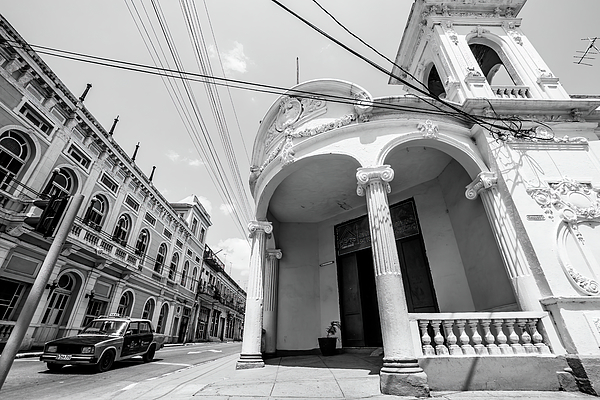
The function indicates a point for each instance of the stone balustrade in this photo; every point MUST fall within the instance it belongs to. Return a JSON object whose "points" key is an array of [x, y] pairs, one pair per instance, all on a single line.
{"points": [[480, 333], [103, 245], [6, 328], [511, 92]]}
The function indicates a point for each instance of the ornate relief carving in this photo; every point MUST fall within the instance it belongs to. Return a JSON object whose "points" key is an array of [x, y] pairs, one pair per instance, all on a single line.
{"points": [[363, 105], [516, 36], [479, 31], [483, 181], [429, 129], [294, 111], [575, 203]]}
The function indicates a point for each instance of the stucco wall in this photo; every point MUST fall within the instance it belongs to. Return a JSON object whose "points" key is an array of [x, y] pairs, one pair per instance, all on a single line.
{"points": [[298, 316], [484, 269]]}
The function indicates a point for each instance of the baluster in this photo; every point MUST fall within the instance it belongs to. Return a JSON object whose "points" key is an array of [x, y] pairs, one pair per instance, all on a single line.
{"points": [[451, 338], [428, 350], [489, 338], [438, 338], [525, 337], [538, 340], [513, 338], [463, 337], [476, 337], [501, 337]]}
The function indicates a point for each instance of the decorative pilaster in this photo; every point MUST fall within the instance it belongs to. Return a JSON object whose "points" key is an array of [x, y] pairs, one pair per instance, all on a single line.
{"points": [[270, 307], [250, 356], [400, 374], [525, 288]]}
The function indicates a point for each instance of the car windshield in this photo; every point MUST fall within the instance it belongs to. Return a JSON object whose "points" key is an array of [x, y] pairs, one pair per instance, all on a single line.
{"points": [[105, 327]]}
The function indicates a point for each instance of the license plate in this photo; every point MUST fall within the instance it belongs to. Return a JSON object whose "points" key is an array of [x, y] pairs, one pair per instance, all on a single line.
{"points": [[65, 357]]}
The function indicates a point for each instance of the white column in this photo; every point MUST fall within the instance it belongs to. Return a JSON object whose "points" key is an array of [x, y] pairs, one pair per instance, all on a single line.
{"points": [[270, 308], [525, 288], [82, 301], [250, 356], [400, 374]]}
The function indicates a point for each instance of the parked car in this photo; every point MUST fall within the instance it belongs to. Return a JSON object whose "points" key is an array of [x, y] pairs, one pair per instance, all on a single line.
{"points": [[104, 341]]}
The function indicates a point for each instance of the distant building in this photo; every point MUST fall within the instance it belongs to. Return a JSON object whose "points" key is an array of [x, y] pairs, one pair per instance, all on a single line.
{"points": [[468, 254], [129, 251]]}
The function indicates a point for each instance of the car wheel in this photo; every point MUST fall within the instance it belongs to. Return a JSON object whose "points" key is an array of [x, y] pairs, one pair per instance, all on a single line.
{"points": [[106, 361], [54, 366], [149, 356]]}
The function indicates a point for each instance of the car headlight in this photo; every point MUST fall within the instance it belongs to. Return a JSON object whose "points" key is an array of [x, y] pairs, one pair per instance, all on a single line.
{"points": [[87, 349], [51, 349]]}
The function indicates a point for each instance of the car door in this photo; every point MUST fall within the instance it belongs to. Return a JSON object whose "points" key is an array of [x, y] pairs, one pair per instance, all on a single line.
{"points": [[145, 336], [131, 340]]}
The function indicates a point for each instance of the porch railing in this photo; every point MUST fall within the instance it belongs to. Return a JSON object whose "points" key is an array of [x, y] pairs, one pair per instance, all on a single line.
{"points": [[6, 328], [480, 333]]}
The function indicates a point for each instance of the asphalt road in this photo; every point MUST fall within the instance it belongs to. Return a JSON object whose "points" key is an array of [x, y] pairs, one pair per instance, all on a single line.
{"points": [[30, 379]]}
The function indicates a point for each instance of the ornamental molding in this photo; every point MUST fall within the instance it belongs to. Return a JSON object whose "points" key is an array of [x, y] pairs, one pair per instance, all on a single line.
{"points": [[284, 149], [369, 175], [428, 129], [576, 204], [294, 111], [274, 254], [484, 180], [259, 226]]}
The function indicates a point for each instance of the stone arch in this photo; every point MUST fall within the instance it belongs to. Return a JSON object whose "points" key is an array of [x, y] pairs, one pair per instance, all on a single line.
{"points": [[34, 147], [491, 52], [129, 294]]}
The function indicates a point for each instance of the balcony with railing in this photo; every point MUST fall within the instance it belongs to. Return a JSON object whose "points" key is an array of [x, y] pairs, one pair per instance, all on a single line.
{"points": [[511, 92], [211, 259], [104, 245]]}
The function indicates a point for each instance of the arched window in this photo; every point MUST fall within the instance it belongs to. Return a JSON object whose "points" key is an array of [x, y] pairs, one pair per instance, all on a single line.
{"points": [[193, 283], [62, 183], [184, 272], [96, 212], [142, 243], [434, 83], [173, 268], [491, 64], [13, 155], [160, 258], [162, 318], [148, 312], [59, 300], [122, 229], [125, 304]]}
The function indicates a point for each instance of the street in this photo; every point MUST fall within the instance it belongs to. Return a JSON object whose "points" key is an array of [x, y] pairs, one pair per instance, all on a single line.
{"points": [[30, 379]]}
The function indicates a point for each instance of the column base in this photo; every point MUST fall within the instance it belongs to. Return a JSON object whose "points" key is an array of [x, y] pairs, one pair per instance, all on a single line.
{"points": [[397, 384], [249, 361]]}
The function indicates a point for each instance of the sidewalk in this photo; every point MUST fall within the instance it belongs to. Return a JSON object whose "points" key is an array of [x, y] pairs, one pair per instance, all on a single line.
{"points": [[344, 376]]}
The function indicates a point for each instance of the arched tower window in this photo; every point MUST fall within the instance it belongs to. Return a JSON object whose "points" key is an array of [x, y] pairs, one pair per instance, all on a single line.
{"points": [[435, 84], [96, 212], [160, 258], [173, 268], [13, 155], [491, 65], [122, 229]]}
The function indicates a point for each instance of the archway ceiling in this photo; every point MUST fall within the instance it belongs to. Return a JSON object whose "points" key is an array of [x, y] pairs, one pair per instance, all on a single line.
{"points": [[326, 186]]}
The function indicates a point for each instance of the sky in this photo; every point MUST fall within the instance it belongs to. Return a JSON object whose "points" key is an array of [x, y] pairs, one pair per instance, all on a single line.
{"points": [[257, 42]]}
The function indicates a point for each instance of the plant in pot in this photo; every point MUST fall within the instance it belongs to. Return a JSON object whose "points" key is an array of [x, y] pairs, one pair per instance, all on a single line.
{"points": [[327, 344]]}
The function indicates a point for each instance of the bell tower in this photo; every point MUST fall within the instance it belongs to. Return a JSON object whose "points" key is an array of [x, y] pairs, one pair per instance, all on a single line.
{"points": [[464, 49]]}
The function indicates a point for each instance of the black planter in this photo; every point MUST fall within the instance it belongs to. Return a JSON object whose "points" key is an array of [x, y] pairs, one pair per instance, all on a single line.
{"points": [[327, 345]]}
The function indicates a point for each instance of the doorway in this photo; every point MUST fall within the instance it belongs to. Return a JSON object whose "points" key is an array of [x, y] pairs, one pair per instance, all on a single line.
{"points": [[359, 309]]}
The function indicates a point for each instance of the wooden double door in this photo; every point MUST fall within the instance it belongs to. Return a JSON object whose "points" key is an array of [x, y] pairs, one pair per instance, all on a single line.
{"points": [[356, 277]]}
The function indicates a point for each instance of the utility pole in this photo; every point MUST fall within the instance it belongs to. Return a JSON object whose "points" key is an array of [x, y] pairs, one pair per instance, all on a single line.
{"points": [[37, 290]]}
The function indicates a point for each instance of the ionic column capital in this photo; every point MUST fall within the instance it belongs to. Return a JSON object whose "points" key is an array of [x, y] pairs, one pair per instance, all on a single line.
{"points": [[273, 254], [368, 175], [256, 226], [483, 181]]}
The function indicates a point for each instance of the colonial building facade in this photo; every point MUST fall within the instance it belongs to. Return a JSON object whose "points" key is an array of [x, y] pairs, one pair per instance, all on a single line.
{"points": [[458, 234], [129, 251]]}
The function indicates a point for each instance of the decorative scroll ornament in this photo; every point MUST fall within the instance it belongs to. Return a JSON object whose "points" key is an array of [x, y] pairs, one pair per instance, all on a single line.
{"points": [[483, 181], [292, 112], [363, 105], [274, 253], [365, 176], [256, 226], [429, 129]]}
